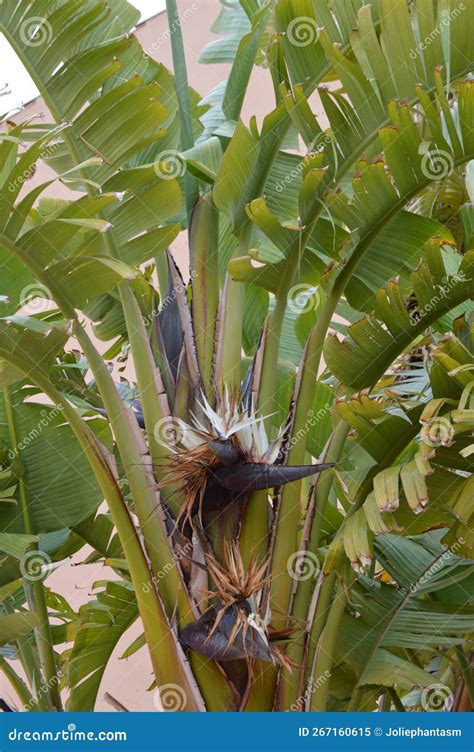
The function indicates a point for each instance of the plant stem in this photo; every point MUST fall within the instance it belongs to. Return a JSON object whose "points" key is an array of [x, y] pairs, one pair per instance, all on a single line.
{"points": [[466, 671], [35, 588], [289, 509], [324, 658], [325, 597], [123, 423], [288, 512], [152, 393], [266, 392], [386, 703], [324, 483], [138, 474], [229, 345], [255, 523], [161, 264], [204, 268], [354, 703], [398, 704], [180, 74], [184, 101], [303, 654]]}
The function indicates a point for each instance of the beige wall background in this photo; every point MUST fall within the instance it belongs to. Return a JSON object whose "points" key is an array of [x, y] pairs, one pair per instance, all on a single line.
{"points": [[127, 680]]}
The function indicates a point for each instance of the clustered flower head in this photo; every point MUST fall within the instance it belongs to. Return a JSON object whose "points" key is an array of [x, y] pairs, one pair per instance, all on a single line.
{"points": [[236, 423], [237, 624], [229, 435], [227, 447]]}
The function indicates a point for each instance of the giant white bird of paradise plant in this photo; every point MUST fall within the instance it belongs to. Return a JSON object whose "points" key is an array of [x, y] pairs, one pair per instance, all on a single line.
{"points": [[287, 479]]}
